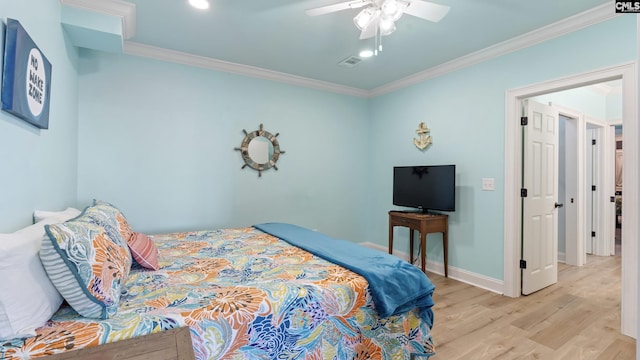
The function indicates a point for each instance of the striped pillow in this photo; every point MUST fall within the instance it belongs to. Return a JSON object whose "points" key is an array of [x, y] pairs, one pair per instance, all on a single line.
{"points": [[144, 251], [87, 265]]}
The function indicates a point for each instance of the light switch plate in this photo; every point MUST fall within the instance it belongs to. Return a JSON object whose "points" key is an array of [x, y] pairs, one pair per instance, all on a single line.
{"points": [[488, 184]]}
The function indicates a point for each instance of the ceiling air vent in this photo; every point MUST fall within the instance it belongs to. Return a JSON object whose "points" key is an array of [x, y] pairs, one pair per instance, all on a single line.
{"points": [[350, 62]]}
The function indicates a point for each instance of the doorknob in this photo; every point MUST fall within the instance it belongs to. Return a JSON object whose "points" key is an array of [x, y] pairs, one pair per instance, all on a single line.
{"points": [[558, 205]]}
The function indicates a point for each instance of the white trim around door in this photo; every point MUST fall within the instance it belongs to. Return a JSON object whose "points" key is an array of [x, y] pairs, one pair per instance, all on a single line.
{"points": [[513, 179]]}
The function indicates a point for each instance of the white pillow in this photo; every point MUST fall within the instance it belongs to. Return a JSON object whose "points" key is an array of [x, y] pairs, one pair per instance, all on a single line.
{"points": [[60, 216], [27, 297]]}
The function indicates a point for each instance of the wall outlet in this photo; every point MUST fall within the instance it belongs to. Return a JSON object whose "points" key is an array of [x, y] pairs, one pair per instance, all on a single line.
{"points": [[488, 184]]}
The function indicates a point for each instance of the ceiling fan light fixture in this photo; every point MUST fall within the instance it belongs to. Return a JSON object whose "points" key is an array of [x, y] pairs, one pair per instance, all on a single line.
{"points": [[387, 26], [393, 9], [365, 18]]}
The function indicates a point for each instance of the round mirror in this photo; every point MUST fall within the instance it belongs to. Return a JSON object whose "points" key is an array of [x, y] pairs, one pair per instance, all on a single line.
{"points": [[260, 150]]}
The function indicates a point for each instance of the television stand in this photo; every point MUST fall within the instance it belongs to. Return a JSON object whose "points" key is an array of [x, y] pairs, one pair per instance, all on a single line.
{"points": [[424, 223]]}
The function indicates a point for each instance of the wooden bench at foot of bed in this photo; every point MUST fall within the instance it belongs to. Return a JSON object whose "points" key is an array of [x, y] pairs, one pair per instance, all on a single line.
{"points": [[174, 344]]}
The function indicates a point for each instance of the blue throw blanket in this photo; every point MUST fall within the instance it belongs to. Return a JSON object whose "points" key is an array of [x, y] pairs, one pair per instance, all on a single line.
{"points": [[396, 286]]}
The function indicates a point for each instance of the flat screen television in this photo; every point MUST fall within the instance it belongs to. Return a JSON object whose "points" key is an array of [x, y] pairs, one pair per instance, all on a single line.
{"points": [[425, 187]]}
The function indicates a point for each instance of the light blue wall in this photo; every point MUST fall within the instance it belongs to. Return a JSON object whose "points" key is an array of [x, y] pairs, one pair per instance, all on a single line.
{"points": [[157, 139], [583, 100], [614, 106], [38, 168], [465, 111]]}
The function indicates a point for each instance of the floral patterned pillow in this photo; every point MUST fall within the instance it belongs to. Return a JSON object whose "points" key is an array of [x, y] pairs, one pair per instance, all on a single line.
{"points": [[87, 262], [111, 218]]}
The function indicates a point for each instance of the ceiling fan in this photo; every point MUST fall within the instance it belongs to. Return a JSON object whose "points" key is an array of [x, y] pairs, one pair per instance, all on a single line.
{"points": [[379, 16]]}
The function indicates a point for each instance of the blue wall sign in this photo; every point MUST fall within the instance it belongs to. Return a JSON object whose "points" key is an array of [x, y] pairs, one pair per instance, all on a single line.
{"points": [[26, 79]]}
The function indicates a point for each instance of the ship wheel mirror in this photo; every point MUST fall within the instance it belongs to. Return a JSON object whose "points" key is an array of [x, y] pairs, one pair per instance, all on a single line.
{"points": [[260, 150]]}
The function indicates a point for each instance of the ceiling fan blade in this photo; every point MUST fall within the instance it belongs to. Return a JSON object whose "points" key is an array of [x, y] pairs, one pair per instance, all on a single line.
{"points": [[337, 7], [427, 10], [370, 31]]}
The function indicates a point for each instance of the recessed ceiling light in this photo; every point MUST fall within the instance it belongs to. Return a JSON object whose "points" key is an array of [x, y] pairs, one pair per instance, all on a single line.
{"points": [[199, 4], [366, 53]]}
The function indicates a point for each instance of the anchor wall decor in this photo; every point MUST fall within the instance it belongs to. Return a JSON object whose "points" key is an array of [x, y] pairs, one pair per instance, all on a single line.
{"points": [[423, 141]]}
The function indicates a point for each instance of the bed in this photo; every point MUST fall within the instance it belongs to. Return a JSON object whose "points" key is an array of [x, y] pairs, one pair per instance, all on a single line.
{"points": [[248, 294]]}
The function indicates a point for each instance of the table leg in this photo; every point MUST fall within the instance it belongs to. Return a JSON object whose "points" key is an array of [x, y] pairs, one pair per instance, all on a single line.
{"points": [[423, 249], [445, 245], [390, 237], [411, 246]]}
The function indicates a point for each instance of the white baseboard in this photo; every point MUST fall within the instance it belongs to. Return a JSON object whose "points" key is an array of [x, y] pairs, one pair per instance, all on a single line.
{"points": [[562, 257], [468, 277]]}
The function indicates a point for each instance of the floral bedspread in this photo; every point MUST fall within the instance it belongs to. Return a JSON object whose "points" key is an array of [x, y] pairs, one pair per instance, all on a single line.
{"points": [[244, 295]]}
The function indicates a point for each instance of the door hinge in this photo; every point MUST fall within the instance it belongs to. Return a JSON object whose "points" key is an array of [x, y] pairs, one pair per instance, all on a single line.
{"points": [[593, 141], [524, 121], [593, 234], [612, 199], [593, 188], [523, 192], [523, 264]]}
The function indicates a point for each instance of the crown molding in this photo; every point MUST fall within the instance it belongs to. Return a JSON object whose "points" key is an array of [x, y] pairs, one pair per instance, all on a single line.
{"points": [[137, 49], [123, 9], [573, 23], [127, 11]]}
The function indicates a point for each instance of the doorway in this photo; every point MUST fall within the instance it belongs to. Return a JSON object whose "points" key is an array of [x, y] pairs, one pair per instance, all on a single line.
{"points": [[513, 181], [570, 223], [617, 171], [556, 124]]}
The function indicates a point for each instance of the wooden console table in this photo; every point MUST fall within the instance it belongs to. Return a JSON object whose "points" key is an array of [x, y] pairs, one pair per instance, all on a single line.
{"points": [[425, 224]]}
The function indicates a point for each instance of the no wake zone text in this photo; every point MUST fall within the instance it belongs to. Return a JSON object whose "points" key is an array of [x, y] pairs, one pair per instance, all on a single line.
{"points": [[36, 84]]}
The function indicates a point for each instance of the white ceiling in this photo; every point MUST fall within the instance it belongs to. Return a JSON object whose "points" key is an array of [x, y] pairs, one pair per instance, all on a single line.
{"points": [[277, 35]]}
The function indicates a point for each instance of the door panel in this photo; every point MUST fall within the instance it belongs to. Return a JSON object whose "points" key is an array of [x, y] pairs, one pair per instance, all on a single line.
{"points": [[589, 194], [540, 178]]}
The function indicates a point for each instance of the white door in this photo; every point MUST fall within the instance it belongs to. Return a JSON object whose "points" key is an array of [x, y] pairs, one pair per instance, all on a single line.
{"points": [[539, 214], [590, 194], [610, 190]]}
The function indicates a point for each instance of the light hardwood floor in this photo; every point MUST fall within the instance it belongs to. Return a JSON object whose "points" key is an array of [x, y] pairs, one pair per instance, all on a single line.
{"points": [[577, 318]]}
